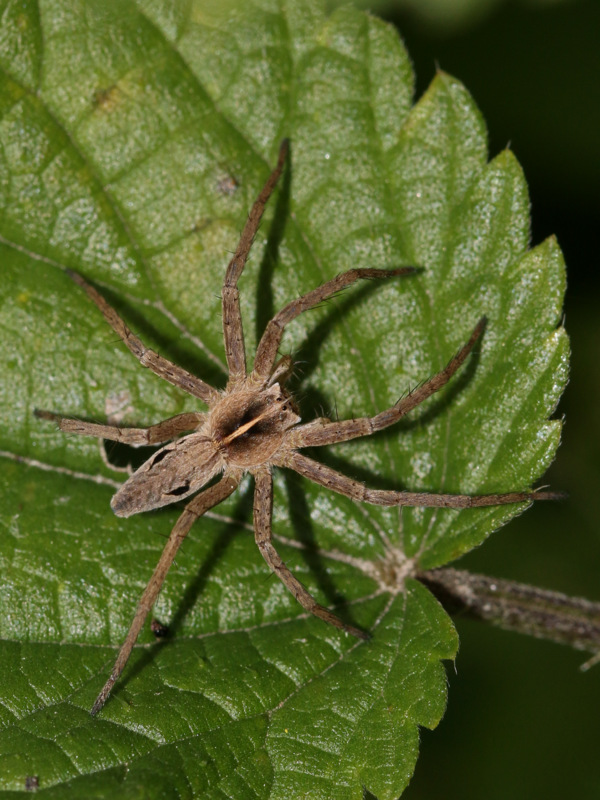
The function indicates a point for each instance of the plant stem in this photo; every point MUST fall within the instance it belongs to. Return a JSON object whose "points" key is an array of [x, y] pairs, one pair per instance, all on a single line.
{"points": [[519, 607]]}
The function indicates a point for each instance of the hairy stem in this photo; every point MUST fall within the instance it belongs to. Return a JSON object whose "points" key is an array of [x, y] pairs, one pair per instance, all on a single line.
{"points": [[518, 607]]}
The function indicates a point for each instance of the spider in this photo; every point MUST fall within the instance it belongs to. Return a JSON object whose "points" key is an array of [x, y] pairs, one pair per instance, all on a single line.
{"points": [[251, 426]]}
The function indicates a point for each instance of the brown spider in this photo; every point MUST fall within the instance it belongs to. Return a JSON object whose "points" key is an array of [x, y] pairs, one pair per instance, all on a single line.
{"points": [[251, 426]]}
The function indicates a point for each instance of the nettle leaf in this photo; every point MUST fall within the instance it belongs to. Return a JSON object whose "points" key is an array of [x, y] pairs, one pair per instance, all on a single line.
{"points": [[134, 138]]}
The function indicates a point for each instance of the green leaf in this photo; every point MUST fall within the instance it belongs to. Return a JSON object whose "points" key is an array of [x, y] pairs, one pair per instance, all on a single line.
{"points": [[135, 137]]}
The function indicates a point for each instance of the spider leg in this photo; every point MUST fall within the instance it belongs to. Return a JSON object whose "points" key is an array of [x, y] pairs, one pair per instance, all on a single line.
{"points": [[342, 431], [198, 506], [147, 358], [233, 331], [266, 352], [154, 434], [337, 482], [281, 371], [263, 507]]}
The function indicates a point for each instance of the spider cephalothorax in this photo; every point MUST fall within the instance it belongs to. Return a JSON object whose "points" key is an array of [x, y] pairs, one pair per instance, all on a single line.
{"points": [[243, 429], [250, 427]]}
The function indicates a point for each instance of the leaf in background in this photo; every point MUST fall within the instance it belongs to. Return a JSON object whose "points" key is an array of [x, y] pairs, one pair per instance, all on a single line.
{"points": [[135, 137]]}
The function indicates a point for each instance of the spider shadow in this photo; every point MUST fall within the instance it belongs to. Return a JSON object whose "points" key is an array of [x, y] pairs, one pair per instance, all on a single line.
{"points": [[458, 384], [124, 456], [241, 512], [341, 307], [327, 455], [304, 533], [197, 363], [264, 294], [300, 520], [196, 587], [265, 309]]}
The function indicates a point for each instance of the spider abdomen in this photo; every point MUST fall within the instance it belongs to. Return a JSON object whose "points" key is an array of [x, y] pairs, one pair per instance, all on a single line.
{"points": [[173, 473]]}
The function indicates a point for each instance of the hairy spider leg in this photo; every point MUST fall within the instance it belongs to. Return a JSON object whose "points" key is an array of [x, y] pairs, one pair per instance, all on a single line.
{"points": [[268, 346], [342, 484], [318, 435], [342, 431], [137, 437], [147, 358], [263, 507], [233, 329], [195, 508]]}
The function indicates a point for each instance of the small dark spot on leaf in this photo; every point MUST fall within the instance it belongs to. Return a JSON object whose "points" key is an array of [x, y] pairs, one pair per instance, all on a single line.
{"points": [[228, 185], [107, 99], [158, 629]]}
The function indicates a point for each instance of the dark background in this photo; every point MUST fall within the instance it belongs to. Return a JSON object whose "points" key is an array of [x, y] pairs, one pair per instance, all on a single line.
{"points": [[522, 720]]}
